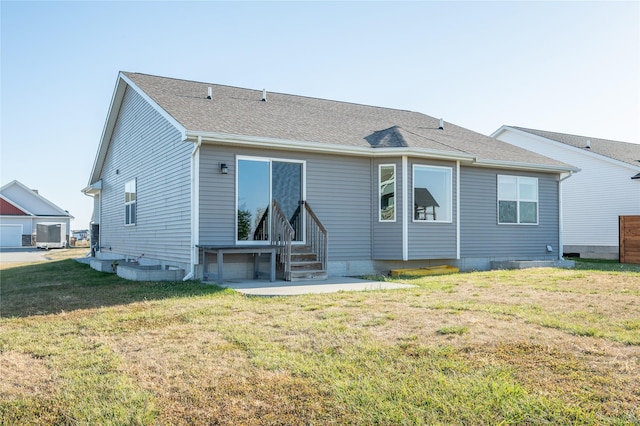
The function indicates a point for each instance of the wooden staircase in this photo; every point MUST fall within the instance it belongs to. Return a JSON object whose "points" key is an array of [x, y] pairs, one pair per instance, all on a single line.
{"points": [[305, 265], [300, 262]]}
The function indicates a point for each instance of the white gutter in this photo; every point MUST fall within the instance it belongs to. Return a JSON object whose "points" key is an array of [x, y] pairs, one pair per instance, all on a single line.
{"points": [[405, 207], [195, 207], [561, 217], [499, 164]]}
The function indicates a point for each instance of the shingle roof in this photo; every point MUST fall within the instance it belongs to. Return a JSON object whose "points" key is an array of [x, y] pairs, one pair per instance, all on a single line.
{"points": [[238, 111], [622, 151]]}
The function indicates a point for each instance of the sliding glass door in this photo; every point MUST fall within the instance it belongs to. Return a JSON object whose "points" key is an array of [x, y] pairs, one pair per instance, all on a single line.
{"points": [[261, 181]]}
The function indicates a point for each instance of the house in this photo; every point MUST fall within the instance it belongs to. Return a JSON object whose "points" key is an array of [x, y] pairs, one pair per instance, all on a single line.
{"points": [[608, 186], [29, 219], [214, 180], [80, 235]]}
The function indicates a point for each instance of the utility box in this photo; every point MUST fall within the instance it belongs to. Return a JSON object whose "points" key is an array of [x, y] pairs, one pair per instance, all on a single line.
{"points": [[51, 235]]}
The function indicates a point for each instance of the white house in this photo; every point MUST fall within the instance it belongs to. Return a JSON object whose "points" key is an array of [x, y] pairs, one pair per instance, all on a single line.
{"points": [[22, 210], [608, 186]]}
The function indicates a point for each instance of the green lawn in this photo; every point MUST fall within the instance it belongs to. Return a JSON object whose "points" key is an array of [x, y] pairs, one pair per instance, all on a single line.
{"points": [[537, 346]]}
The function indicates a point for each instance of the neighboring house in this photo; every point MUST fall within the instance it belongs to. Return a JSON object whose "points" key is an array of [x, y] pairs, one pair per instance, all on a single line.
{"points": [[23, 211], [186, 168], [80, 235], [608, 186]]}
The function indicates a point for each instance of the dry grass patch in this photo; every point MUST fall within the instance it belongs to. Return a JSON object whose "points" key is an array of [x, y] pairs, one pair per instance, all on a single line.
{"points": [[24, 376], [501, 347]]}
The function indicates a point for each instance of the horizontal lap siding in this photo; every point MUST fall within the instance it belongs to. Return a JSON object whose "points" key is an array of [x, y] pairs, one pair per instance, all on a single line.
{"points": [[147, 148], [480, 234], [338, 191]]}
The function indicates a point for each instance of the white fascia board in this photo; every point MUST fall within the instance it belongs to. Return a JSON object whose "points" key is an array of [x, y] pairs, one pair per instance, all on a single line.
{"points": [[569, 148], [112, 115], [281, 144], [53, 217], [499, 131], [499, 164]]}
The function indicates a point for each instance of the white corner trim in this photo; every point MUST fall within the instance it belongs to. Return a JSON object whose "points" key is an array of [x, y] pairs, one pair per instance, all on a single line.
{"points": [[457, 210], [405, 207]]}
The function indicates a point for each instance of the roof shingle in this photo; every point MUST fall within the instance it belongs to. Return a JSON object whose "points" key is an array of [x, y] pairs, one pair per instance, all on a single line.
{"points": [[239, 111]]}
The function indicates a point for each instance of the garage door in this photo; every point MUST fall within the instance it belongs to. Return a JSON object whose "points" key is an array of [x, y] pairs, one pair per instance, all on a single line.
{"points": [[10, 235]]}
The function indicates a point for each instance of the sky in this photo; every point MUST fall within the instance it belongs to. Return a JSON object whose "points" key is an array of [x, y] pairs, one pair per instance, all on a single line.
{"points": [[570, 67]]}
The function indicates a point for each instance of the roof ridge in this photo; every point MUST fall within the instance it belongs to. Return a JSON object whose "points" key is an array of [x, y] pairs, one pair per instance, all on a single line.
{"points": [[571, 134], [276, 93]]}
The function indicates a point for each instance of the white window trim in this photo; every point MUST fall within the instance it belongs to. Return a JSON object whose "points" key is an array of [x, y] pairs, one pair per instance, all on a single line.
{"points": [[518, 200], [128, 203], [413, 183], [268, 160], [395, 187]]}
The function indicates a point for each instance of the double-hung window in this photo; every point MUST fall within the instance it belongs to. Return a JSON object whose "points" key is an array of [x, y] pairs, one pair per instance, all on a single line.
{"points": [[517, 200], [130, 197]]}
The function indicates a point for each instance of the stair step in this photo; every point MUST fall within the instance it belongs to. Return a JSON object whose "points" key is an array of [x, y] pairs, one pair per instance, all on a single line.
{"points": [[301, 249], [295, 257], [306, 265], [308, 275]]}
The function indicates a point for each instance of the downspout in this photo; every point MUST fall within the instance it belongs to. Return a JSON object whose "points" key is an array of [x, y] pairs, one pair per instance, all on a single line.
{"points": [[560, 217], [405, 209], [458, 209], [195, 207]]}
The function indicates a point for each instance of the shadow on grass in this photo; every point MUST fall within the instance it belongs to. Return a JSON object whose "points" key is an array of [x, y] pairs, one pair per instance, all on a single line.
{"points": [[67, 285]]}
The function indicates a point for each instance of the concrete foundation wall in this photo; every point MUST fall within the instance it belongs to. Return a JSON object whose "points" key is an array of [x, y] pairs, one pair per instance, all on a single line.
{"points": [[593, 252]]}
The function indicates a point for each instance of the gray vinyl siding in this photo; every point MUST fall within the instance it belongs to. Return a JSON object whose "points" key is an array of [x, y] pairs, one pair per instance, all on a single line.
{"points": [[145, 147], [432, 240], [387, 236], [480, 234], [338, 189]]}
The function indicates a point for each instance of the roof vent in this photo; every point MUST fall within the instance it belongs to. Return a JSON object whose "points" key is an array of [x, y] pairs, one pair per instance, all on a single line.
{"points": [[209, 92], [264, 95], [441, 124], [588, 145]]}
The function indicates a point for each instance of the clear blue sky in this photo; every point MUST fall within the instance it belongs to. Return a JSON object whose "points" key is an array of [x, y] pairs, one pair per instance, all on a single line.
{"points": [[570, 67]]}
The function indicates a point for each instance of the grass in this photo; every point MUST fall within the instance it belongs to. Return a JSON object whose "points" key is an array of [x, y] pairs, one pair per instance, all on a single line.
{"points": [[533, 347]]}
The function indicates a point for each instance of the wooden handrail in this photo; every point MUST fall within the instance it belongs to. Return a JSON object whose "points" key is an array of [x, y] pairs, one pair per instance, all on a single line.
{"points": [[317, 236], [282, 233]]}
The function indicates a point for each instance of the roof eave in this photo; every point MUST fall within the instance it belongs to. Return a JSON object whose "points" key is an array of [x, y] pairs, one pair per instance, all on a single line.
{"points": [[94, 188], [514, 165]]}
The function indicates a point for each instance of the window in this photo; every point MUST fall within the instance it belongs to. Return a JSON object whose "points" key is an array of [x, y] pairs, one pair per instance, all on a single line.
{"points": [[130, 197], [387, 191], [432, 194], [517, 200], [261, 181]]}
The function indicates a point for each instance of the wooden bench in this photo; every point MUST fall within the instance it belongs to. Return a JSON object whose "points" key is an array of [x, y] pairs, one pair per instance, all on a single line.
{"points": [[255, 250]]}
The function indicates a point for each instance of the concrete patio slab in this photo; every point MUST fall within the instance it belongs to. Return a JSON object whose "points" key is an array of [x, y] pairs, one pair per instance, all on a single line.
{"points": [[288, 288]]}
